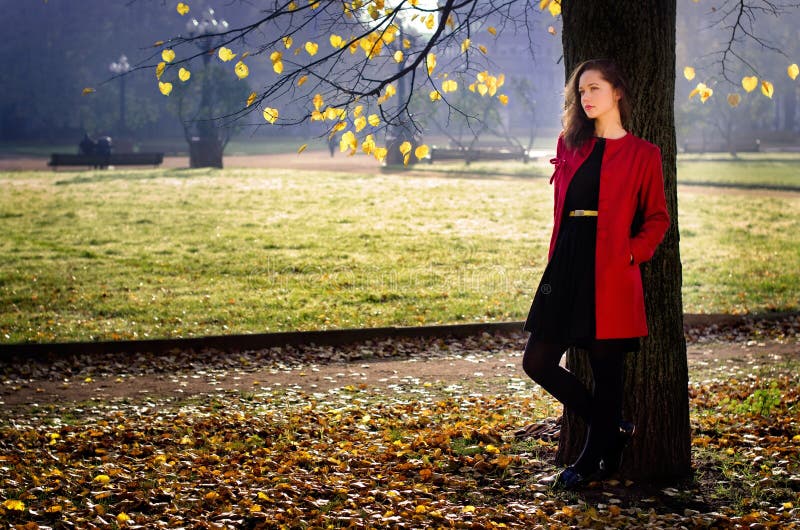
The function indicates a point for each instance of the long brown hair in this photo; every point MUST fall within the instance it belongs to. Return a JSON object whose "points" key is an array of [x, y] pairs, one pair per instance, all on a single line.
{"points": [[577, 126]]}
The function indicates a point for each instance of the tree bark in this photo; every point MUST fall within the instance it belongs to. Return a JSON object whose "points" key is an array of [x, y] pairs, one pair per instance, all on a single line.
{"points": [[640, 36]]}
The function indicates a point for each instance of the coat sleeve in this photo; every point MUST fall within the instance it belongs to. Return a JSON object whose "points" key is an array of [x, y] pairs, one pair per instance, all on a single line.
{"points": [[653, 206]]}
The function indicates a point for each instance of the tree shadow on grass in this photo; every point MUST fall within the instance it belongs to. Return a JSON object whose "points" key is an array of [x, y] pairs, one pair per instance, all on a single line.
{"points": [[109, 175]]}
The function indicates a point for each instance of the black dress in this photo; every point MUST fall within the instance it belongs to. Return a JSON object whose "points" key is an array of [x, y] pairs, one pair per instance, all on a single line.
{"points": [[563, 308]]}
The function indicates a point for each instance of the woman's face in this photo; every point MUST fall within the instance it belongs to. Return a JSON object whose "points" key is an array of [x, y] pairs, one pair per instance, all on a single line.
{"points": [[598, 97]]}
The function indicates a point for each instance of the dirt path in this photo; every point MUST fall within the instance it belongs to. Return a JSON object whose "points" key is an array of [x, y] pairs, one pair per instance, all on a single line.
{"points": [[501, 364]]}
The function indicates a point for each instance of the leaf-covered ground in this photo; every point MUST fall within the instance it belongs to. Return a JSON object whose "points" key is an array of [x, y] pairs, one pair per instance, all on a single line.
{"points": [[407, 452]]}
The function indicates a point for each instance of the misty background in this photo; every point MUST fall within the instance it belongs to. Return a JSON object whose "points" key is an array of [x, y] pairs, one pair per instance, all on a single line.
{"points": [[55, 48]]}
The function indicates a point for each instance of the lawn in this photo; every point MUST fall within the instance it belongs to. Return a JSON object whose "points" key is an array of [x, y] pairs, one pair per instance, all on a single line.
{"points": [[174, 253]]}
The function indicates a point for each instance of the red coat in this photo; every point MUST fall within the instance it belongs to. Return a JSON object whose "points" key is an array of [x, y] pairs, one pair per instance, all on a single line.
{"points": [[630, 180]]}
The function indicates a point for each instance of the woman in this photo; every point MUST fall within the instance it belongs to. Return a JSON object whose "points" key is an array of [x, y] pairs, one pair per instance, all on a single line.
{"points": [[610, 215]]}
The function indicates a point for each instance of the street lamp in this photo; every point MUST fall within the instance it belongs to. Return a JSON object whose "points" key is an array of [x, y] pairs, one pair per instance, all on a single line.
{"points": [[205, 149], [121, 67]]}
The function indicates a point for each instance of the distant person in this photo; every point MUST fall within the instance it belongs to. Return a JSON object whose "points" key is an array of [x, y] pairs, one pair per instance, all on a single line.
{"points": [[87, 145], [590, 294], [332, 144]]}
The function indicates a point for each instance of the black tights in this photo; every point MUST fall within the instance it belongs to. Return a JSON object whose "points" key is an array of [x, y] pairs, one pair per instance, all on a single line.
{"points": [[600, 409]]}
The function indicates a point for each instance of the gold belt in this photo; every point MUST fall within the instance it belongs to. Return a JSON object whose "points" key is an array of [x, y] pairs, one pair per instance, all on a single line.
{"points": [[583, 213]]}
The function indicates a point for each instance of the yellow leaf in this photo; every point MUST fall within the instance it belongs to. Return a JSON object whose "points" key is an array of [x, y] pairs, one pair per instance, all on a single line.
{"points": [[492, 449], [405, 147], [275, 56], [300, 150], [102, 479], [793, 71], [318, 101], [241, 70], [406, 44], [472, 87], [358, 110], [339, 126], [165, 88], [406, 158], [380, 153], [750, 83], [465, 45], [13, 504], [468, 509], [302, 80], [87, 90], [704, 91], [482, 77], [368, 145], [184, 74], [421, 152], [430, 60], [226, 54], [374, 120], [492, 30], [451, 22], [554, 7], [347, 141], [182, 8], [332, 113], [449, 86], [429, 21], [168, 55], [317, 116], [336, 41], [766, 88], [270, 114], [734, 99], [160, 69], [287, 42], [292, 6], [503, 99], [123, 518], [314, 4], [277, 66], [435, 95], [390, 91], [390, 34], [501, 80], [251, 98], [311, 48], [398, 56], [360, 123], [482, 48], [482, 89], [688, 73]]}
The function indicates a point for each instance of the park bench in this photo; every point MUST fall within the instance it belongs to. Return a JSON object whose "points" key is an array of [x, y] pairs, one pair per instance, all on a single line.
{"points": [[103, 161], [439, 154]]}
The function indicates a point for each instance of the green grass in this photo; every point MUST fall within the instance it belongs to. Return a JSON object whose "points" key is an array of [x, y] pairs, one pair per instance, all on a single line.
{"points": [[173, 253], [749, 169]]}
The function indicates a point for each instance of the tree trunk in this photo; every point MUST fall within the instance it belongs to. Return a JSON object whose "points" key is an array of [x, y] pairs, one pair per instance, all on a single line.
{"points": [[640, 36]]}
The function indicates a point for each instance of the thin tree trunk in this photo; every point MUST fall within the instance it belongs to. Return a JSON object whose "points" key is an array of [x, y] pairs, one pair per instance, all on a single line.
{"points": [[640, 36]]}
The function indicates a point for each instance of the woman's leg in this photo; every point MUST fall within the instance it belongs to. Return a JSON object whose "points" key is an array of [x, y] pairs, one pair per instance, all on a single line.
{"points": [[606, 409], [541, 363]]}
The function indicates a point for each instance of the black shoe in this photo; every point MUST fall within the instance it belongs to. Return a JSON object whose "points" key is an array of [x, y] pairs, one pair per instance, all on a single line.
{"points": [[613, 457], [569, 479]]}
